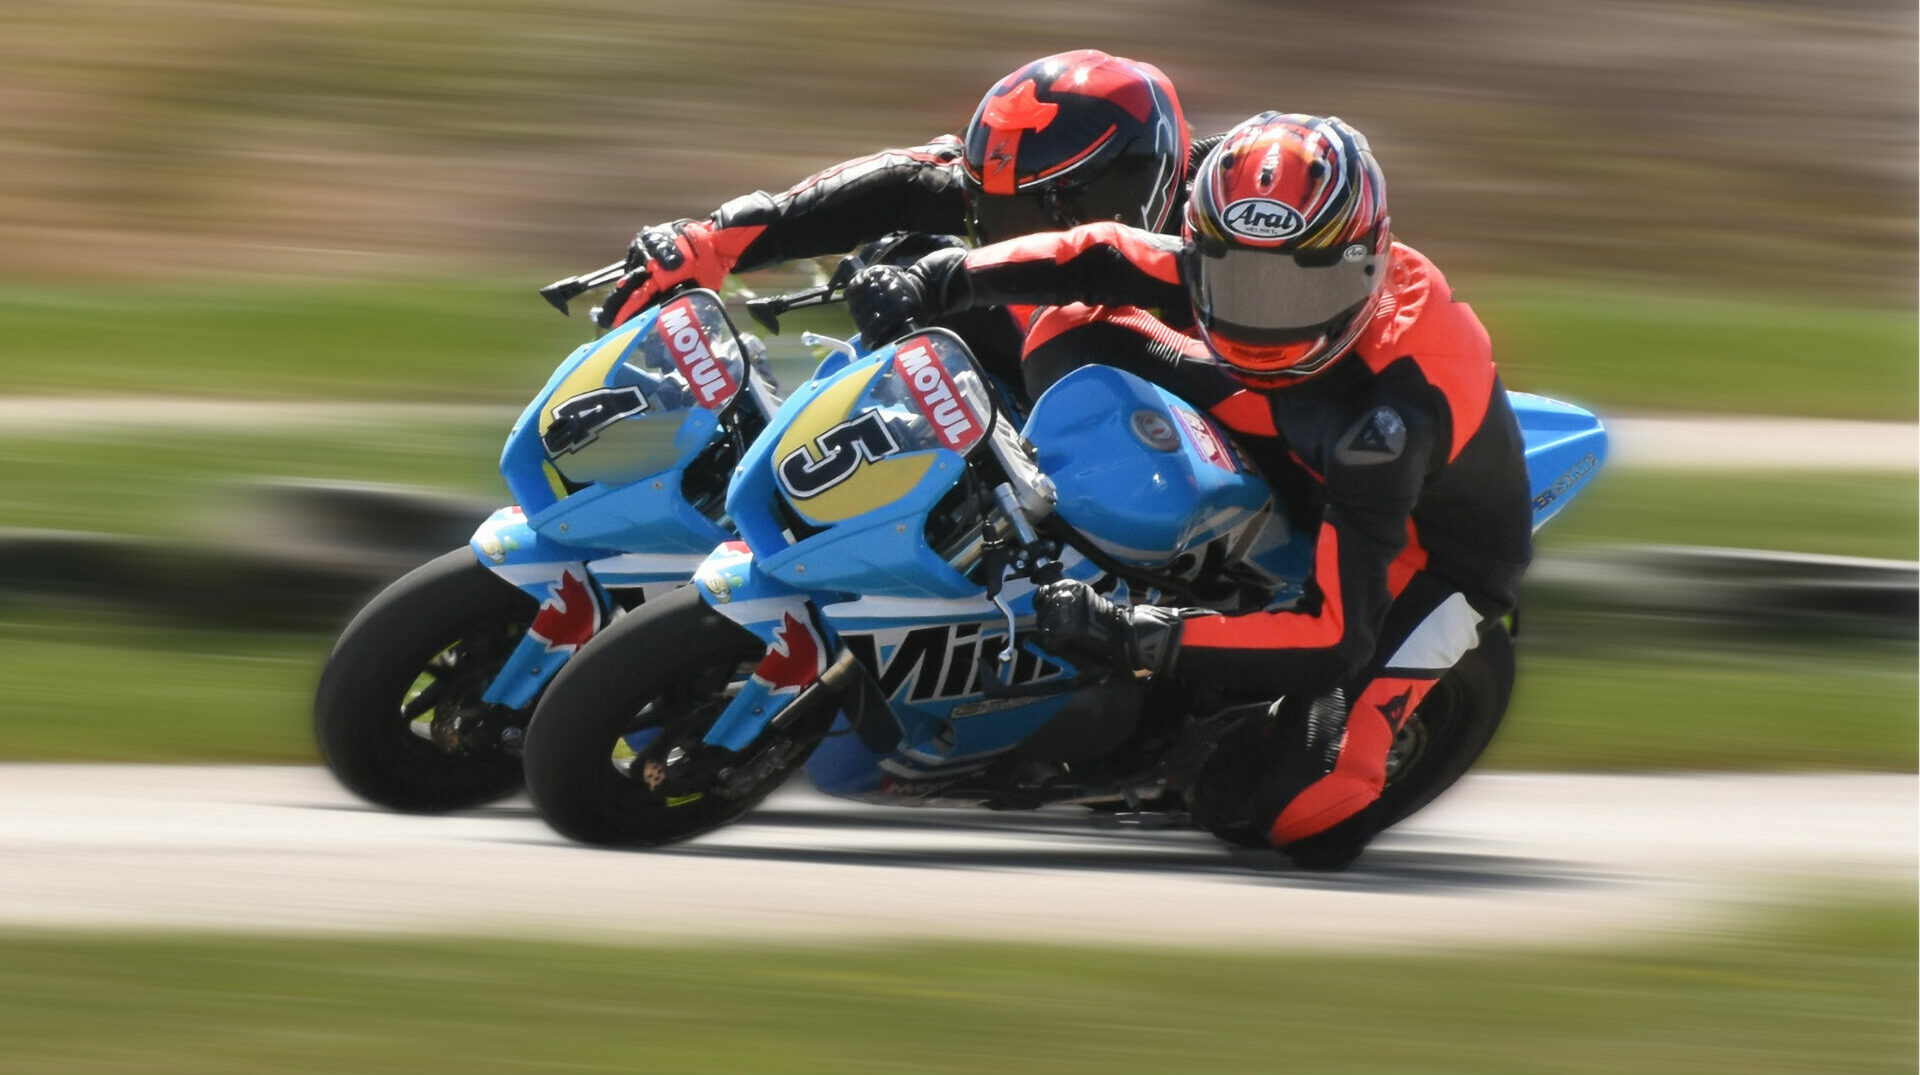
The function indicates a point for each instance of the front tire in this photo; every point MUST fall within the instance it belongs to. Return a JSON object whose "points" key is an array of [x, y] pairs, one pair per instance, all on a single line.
{"points": [[614, 754], [398, 714]]}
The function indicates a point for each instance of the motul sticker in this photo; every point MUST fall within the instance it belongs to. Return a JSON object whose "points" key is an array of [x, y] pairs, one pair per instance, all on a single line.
{"points": [[937, 396], [690, 349], [1208, 443]]}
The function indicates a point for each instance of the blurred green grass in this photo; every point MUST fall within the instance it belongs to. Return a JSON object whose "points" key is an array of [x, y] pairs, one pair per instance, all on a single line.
{"points": [[189, 483], [1838, 513], [438, 341], [100, 686], [1608, 346], [161, 481], [1751, 706], [156, 691], [1832, 990]]}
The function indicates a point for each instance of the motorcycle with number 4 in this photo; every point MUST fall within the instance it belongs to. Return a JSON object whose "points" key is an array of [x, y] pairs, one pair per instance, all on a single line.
{"points": [[872, 622], [618, 469]]}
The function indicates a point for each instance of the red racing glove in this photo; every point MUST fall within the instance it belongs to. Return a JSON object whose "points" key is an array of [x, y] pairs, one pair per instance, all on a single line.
{"points": [[665, 257]]}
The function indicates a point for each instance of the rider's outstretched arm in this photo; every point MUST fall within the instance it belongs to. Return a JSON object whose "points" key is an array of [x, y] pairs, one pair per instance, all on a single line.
{"points": [[837, 209], [829, 212], [1099, 264]]}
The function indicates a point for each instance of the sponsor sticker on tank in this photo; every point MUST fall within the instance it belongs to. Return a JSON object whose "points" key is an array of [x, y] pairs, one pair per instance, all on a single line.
{"points": [[1262, 218], [1205, 441], [692, 352], [937, 397]]}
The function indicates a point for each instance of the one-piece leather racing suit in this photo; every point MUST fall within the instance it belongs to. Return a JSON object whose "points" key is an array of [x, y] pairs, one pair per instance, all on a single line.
{"points": [[1407, 445]]}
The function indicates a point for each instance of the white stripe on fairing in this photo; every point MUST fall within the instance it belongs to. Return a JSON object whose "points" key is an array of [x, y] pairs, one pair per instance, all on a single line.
{"points": [[528, 574], [760, 610], [649, 563], [1447, 633]]}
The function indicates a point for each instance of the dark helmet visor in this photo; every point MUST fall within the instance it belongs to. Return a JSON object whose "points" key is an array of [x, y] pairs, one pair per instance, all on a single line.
{"points": [[996, 218]]}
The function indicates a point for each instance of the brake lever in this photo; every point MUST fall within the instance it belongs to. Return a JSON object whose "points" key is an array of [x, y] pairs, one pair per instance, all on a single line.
{"points": [[561, 292], [767, 310]]}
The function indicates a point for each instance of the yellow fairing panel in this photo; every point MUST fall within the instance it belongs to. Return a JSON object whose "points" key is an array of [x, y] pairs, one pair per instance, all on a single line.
{"points": [[872, 485], [592, 372]]}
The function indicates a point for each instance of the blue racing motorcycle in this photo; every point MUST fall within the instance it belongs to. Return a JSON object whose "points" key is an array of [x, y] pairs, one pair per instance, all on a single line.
{"points": [[619, 470], [871, 622]]}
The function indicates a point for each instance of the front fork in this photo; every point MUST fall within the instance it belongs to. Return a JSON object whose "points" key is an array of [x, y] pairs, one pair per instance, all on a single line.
{"points": [[800, 669], [574, 604]]}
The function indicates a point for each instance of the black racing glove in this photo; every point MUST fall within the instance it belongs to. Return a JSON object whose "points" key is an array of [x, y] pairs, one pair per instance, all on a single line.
{"points": [[886, 299], [1073, 620]]}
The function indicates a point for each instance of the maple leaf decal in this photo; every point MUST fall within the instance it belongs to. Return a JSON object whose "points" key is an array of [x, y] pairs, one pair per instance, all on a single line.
{"points": [[793, 661], [570, 616]]}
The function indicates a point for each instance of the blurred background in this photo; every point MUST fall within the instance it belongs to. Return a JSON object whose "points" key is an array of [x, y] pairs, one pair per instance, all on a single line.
{"points": [[344, 207], [244, 245]]}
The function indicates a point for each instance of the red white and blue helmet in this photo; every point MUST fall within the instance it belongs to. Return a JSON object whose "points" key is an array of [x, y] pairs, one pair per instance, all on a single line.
{"points": [[1288, 245], [1072, 139]]}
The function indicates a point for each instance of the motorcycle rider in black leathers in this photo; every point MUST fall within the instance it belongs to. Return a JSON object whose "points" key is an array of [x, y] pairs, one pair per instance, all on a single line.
{"points": [[1331, 352], [1064, 140]]}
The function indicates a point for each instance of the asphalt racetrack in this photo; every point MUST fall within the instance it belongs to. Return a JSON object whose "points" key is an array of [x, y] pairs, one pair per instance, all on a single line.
{"points": [[1507, 858]]}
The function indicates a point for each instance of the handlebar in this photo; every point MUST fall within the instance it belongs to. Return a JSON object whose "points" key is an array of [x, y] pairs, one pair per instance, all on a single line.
{"points": [[767, 310], [561, 292]]}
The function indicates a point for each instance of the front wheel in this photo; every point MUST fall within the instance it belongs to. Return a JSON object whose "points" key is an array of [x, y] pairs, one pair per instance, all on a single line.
{"points": [[615, 756], [398, 713]]}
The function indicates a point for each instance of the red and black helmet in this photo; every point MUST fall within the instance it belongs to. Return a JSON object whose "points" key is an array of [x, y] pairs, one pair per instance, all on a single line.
{"points": [[1288, 244], [1071, 139]]}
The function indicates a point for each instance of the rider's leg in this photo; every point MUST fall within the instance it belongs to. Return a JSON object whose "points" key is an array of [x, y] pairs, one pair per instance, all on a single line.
{"points": [[1312, 775]]}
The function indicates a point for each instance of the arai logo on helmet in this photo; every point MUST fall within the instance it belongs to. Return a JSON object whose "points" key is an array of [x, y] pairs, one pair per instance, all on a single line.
{"points": [[1262, 218]]}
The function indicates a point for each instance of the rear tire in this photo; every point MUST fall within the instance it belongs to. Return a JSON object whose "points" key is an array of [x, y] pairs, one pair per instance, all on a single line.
{"points": [[1451, 729], [418, 656], [1434, 749], [658, 676]]}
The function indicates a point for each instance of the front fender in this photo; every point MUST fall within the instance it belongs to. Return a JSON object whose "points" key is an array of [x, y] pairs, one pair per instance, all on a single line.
{"points": [[508, 547]]}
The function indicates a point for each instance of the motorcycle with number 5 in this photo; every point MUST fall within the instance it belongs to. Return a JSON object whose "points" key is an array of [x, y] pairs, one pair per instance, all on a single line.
{"points": [[872, 621]]}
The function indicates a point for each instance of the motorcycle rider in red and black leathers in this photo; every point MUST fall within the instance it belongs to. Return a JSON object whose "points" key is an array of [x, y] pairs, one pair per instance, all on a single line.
{"points": [[1067, 139], [1323, 344]]}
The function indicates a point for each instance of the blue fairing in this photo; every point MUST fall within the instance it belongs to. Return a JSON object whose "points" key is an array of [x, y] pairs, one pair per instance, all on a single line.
{"points": [[1565, 445], [882, 551]]}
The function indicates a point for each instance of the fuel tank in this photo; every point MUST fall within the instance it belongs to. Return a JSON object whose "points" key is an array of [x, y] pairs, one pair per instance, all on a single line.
{"points": [[1144, 476]]}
